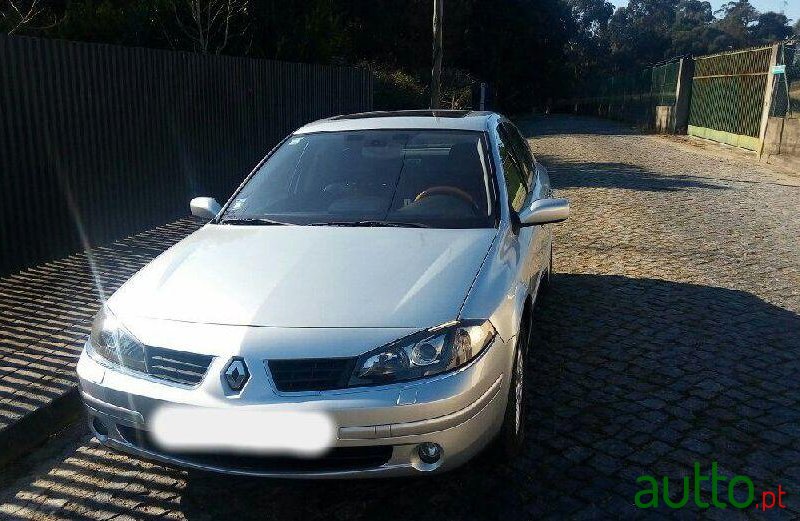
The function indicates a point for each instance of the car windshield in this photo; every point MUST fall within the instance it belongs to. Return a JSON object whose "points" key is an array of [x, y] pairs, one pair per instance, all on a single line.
{"points": [[424, 178]]}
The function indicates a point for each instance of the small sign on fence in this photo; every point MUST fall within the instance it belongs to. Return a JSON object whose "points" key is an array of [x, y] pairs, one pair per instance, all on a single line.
{"points": [[779, 69]]}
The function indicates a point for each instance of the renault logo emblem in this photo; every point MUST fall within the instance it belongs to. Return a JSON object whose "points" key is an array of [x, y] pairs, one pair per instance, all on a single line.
{"points": [[236, 373]]}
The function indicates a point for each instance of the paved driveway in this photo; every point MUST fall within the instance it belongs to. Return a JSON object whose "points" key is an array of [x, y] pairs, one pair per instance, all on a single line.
{"points": [[671, 336]]}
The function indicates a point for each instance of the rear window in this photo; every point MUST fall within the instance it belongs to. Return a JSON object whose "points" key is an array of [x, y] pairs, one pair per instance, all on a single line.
{"points": [[434, 178]]}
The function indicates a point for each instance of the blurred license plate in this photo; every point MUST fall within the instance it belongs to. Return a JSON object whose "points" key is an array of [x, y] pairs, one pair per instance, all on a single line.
{"points": [[246, 430]]}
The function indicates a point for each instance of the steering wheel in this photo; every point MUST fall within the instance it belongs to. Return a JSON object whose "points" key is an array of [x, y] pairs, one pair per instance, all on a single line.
{"points": [[447, 190]]}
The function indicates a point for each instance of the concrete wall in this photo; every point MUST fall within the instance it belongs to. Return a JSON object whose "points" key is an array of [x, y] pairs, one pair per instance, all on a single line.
{"points": [[782, 142]]}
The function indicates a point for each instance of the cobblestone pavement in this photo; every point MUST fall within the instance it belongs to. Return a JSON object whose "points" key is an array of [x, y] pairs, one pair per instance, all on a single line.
{"points": [[670, 336]]}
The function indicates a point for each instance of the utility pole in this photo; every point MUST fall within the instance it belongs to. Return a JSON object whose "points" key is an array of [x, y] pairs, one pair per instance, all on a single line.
{"points": [[436, 72]]}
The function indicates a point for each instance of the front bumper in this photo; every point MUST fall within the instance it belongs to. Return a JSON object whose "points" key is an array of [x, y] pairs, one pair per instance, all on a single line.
{"points": [[378, 428]]}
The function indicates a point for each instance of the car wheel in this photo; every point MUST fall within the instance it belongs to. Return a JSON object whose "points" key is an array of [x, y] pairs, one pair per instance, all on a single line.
{"points": [[512, 433]]}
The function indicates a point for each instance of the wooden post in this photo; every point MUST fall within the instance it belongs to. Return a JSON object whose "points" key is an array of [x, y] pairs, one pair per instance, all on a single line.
{"points": [[768, 88], [436, 73]]}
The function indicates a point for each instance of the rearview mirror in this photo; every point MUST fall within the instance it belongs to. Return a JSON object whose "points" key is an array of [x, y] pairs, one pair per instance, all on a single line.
{"points": [[544, 211], [205, 207]]}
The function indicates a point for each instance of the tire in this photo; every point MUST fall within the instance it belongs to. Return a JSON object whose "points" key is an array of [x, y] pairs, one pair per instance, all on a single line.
{"points": [[510, 441]]}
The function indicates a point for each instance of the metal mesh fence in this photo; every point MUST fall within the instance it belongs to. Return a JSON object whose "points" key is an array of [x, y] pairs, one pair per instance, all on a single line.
{"points": [[728, 91], [786, 89], [632, 96], [664, 83]]}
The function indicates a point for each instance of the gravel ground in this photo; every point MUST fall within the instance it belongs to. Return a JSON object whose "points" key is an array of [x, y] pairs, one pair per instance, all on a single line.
{"points": [[670, 337]]}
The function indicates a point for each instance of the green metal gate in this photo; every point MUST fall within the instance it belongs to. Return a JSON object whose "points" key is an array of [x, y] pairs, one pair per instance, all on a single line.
{"points": [[728, 96]]}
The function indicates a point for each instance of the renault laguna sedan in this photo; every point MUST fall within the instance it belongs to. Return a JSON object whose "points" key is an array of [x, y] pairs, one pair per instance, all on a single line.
{"points": [[360, 307]]}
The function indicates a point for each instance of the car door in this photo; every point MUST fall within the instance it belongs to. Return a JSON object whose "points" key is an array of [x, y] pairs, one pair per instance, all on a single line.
{"points": [[516, 180], [538, 188]]}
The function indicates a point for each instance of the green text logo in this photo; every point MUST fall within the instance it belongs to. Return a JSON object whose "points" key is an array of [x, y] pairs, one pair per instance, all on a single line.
{"points": [[678, 494]]}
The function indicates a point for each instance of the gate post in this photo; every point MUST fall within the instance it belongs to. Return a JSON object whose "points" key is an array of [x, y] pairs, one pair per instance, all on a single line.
{"points": [[683, 93], [768, 88]]}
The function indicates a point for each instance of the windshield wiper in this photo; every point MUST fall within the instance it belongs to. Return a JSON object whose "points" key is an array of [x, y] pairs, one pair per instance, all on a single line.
{"points": [[367, 224], [253, 221]]}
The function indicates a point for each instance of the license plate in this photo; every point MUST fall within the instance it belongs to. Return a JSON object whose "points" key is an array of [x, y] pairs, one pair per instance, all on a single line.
{"points": [[243, 430]]}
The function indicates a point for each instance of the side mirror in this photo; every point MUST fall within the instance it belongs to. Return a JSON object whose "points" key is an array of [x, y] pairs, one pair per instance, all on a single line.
{"points": [[544, 211], [205, 207]]}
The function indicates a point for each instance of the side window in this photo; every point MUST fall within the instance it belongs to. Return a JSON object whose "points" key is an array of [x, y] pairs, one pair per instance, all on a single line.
{"points": [[522, 151], [514, 177]]}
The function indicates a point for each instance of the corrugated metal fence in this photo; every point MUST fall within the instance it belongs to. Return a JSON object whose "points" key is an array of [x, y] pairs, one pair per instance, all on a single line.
{"points": [[124, 137]]}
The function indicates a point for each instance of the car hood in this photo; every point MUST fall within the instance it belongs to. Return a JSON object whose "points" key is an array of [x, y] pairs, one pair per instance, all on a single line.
{"points": [[299, 276]]}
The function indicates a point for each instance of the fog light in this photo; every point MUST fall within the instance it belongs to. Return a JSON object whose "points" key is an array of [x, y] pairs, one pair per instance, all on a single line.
{"points": [[429, 452]]}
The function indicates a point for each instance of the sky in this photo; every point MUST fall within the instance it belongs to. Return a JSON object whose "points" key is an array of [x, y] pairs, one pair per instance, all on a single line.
{"points": [[792, 9]]}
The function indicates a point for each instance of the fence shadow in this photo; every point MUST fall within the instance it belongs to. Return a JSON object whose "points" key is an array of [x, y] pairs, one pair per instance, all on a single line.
{"points": [[46, 313], [625, 176], [629, 377], [568, 124]]}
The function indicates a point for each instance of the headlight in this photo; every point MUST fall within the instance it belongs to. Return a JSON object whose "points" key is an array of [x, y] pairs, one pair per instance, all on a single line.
{"points": [[111, 342], [426, 353]]}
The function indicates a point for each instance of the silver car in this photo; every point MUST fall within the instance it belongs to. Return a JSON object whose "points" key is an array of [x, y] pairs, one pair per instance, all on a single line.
{"points": [[360, 307]]}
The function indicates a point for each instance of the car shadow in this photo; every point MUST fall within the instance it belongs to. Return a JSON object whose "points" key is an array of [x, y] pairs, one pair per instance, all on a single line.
{"points": [[627, 377]]}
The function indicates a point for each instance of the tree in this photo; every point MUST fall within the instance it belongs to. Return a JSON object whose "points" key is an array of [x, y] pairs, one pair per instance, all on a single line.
{"points": [[771, 27], [312, 31], [692, 14], [588, 47], [123, 22], [590, 17], [737, 17], [694, 32], [205, 26], [19, 15], [641, 33], [516, 46]]}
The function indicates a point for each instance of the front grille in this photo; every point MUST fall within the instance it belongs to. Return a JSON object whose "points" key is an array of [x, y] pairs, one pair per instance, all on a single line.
{"points": [[336, 459], [176, 366], [311, 374]]}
